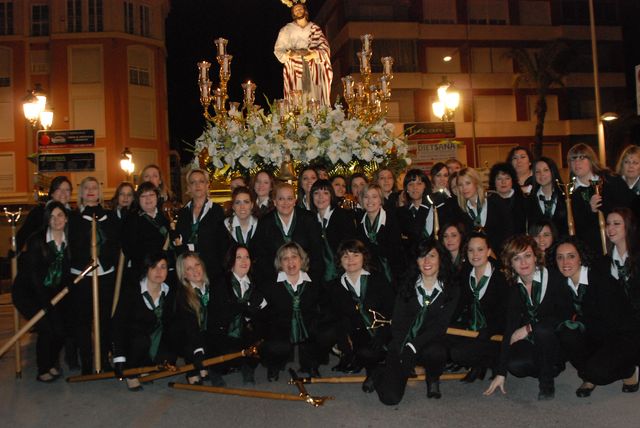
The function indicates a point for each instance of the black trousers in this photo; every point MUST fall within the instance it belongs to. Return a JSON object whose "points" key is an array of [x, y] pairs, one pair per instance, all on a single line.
{"points": [[50, 340], [137, 352], [600, 363], [219, 344], [277, 350], [391, 380], [367, 350], [469, 352], [539, 358], [82, 301]]}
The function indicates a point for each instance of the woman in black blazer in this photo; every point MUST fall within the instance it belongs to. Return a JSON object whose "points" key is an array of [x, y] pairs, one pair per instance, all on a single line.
{"points": [[628, 168], [190, 331], [379, 231], [306, 178], [538, 302], [503, 181], [237, 311], [199, 221], [293, 315], [145, 231], [357, 299], [336, 225], [44, 271], [285, 224], [597, 338], [486, 211], [107, 234], [483, 295], [140, 324], [262, 186], [59, 191], [423, 310], [623, 264], [546, 201], [586, 171]]}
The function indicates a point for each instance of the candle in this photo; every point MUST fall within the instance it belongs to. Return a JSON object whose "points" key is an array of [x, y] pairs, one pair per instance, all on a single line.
{"points": [[366, 42], [205, 87], [226, 59], [219, 99], [221, 45], [360, 89], [347, 83], [384, 86], [387, 63], [363, 57], [248, 89], [203, 67]]}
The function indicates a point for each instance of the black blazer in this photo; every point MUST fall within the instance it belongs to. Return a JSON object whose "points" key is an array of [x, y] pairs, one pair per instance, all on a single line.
{"points": [[629, 308], [389, 245], [604, 311], [279, 310], [133, 320], [555, 307], [226, 307], [615, 193], [28, 291], [493, 303], [499, 224], [185, 331], [268, 238], [517, 207], [80, 237], [435, 325], [140, 237], [31, 224], [340, 228], [379, 297], [413, 229], [559, 218], [207, 245]]}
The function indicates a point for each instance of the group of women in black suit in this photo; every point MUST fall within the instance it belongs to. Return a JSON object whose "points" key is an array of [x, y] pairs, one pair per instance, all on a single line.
{"points": [[327, 270]]}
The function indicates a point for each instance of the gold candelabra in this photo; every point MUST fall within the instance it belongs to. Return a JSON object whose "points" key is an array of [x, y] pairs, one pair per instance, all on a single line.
{"points": [[367, 101], [220, 95]]}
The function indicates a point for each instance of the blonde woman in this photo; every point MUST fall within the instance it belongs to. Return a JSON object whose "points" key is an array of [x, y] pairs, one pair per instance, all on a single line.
{"points": [[488, 212]]}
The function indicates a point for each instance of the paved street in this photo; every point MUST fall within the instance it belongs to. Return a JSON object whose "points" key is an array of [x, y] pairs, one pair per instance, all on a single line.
{"points": [[27, 403]]}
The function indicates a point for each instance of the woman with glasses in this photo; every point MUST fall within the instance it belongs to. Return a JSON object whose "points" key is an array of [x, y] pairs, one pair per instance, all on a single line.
{"points": [[587, 200]]}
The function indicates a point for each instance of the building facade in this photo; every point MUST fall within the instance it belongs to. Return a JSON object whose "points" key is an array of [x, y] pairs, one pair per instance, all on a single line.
{"points": [[101, 64], [493, 115]]}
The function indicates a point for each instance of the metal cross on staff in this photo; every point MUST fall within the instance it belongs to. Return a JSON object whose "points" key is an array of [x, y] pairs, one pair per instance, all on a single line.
{"points": [[378, 321], [12, 218]]}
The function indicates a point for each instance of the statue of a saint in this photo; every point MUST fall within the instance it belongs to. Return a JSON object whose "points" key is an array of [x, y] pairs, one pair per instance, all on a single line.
{"points": [[304, 51]]}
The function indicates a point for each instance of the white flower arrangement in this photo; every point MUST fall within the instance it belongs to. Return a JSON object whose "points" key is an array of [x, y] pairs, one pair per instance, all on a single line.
{"points": [[324, 137]]}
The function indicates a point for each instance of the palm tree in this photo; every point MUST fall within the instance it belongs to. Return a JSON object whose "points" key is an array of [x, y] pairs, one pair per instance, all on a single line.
{"points": [[542, 69]]}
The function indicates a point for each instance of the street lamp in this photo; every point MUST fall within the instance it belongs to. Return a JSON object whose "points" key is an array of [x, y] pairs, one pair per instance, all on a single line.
{"points": [[34, 106], [448, 101], [126, 162]]}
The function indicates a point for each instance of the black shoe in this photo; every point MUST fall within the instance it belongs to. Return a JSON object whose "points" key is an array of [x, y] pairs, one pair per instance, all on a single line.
{"points": [[630, 388], [546, 392], [313, 372], [46, 377], [248, 377], [368, 385], [584, 391], [474, 373], [273, 374], [345, 362], [216, 380], [433, 389]]}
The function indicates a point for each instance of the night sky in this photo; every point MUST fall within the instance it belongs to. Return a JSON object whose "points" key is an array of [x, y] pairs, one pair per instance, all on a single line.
{"points": [[251, 26]]}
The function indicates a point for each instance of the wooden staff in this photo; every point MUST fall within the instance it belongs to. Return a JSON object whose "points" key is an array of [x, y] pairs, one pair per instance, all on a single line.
{"points": [[601, 222], [13, 218], [111, 375], [314, 401], [116, 290], [470, 333], [42, 312], [360, 379], [249, 352], [567, 191], [97, 355]]}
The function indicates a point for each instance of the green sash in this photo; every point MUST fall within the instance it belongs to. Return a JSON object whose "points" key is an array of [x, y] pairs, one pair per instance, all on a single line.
{"points": [[298, 329], [204, 303], [195, 226], [421, 315], [162, 229], [330, 272], [372, 233], [156, 334], [240, 237], [236, 326], [54, 274], [476, 215], [286, 236], [532, 302], [577, 307], [359, 300], [478, 320]]}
